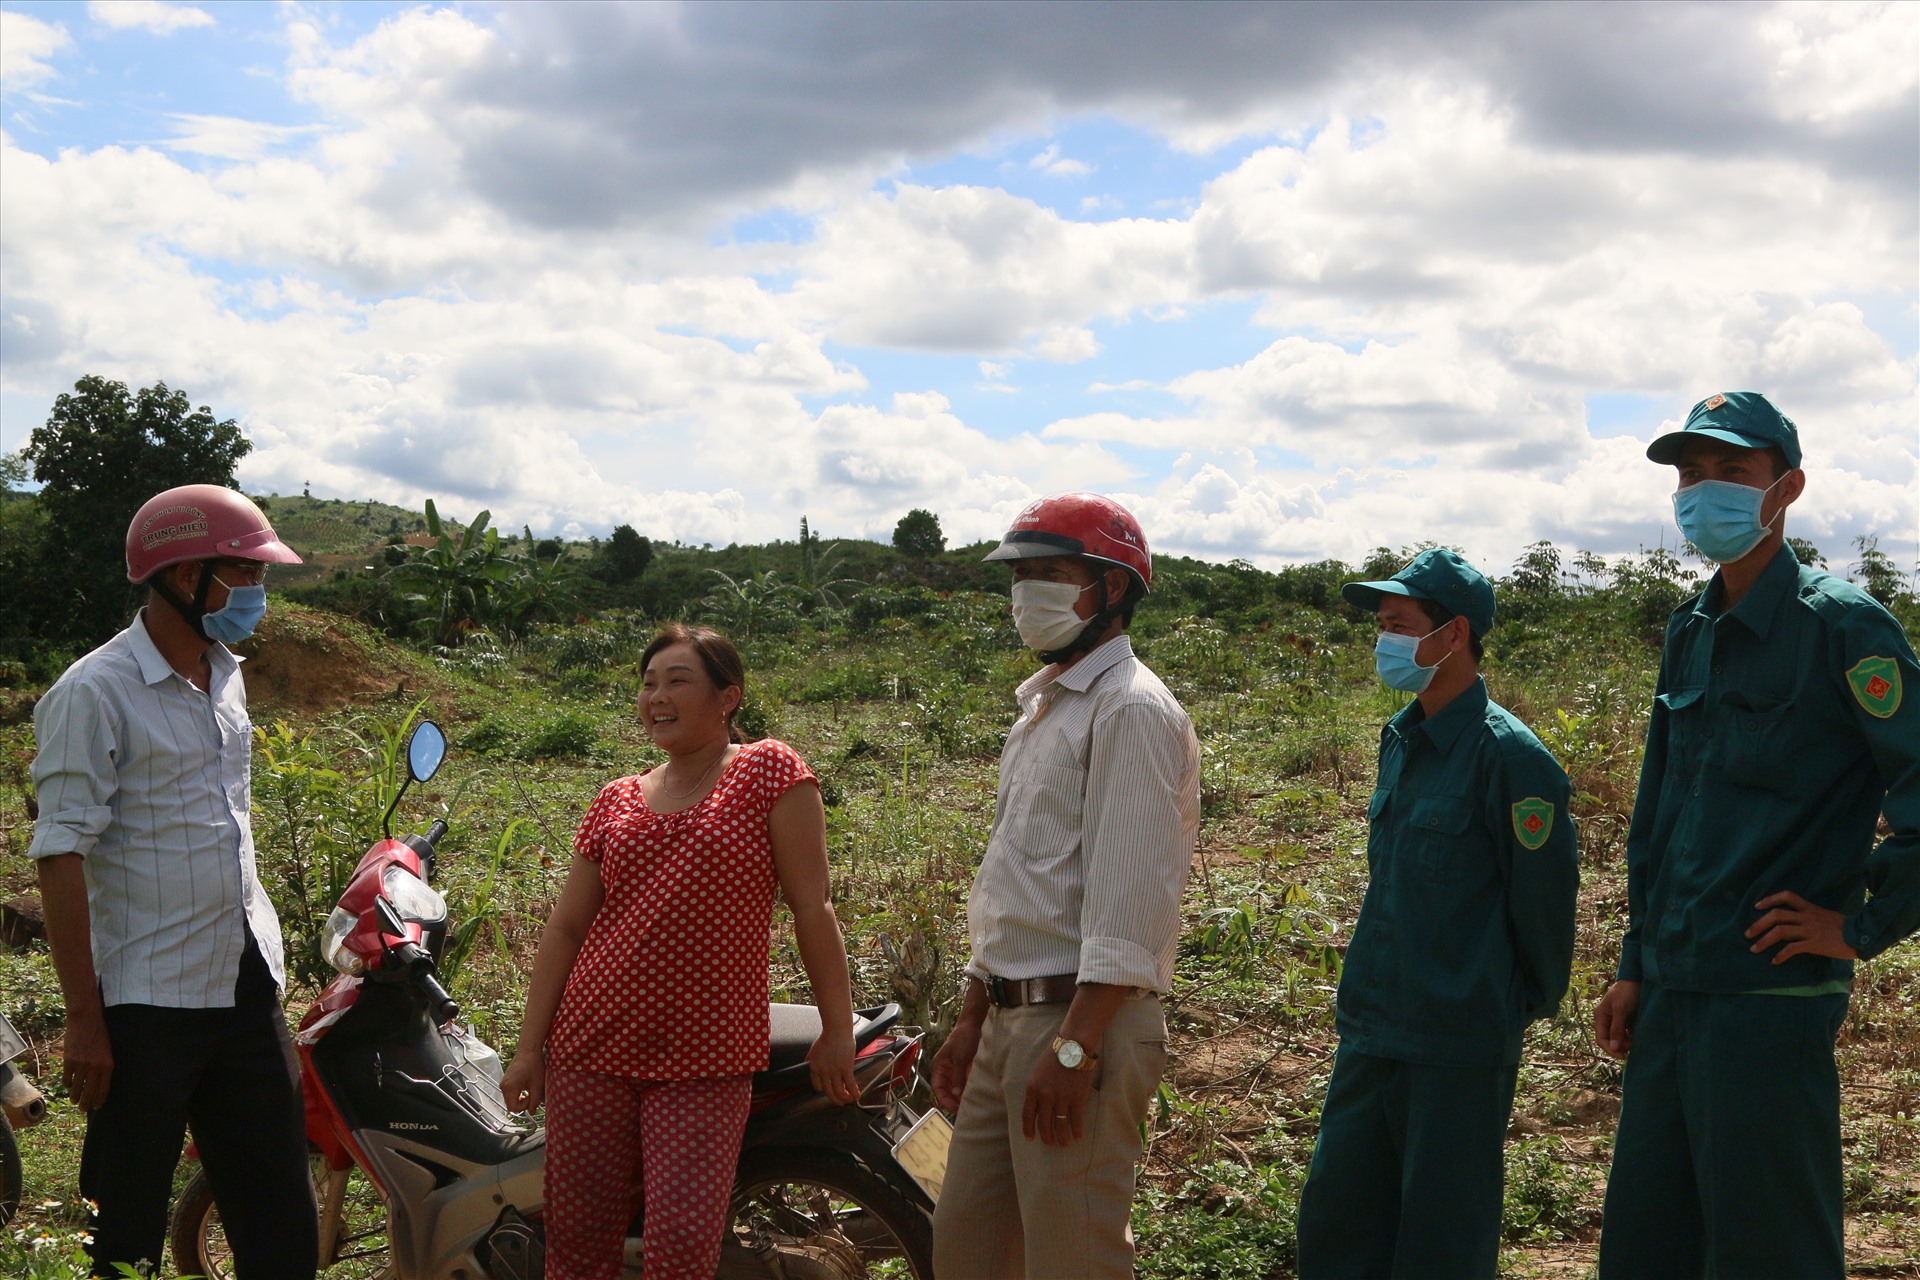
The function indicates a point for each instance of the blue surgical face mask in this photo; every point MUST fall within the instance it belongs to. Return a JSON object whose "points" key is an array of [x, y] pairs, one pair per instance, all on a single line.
{"points": [[1399, 669], [1722, 518], [235, 620]]}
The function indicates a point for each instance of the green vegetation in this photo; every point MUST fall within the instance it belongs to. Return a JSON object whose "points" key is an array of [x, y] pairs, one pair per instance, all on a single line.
{"points": [[892, 674]]}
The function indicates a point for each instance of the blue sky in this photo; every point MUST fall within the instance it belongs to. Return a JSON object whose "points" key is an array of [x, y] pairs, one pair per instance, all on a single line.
{"points": [[1294, 285]]}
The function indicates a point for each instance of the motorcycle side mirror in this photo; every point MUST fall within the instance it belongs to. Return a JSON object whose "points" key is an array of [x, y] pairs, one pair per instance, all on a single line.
{"points": [[425, 750]]}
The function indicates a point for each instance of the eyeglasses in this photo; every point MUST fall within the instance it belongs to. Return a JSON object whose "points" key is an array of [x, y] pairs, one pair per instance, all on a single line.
{"points": [[240, 573]]}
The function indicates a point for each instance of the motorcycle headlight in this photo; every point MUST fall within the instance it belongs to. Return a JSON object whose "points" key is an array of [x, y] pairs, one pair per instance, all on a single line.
{"points": [[333, 943], [412, 898]]}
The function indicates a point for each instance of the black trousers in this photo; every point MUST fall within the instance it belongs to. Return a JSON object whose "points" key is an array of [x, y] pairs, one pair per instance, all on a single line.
{"points": [[231, 1075]]}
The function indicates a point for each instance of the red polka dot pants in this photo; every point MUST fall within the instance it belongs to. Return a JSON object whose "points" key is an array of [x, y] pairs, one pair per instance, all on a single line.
{"points": [[678, 1139]]}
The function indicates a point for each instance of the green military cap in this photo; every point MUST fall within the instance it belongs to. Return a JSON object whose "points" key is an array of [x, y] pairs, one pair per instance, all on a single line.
{"points": [[1437, 575], [1745, 418]]}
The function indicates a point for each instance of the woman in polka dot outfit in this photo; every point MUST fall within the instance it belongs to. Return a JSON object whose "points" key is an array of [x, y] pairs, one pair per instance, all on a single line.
{"points": [[647, 1014]]}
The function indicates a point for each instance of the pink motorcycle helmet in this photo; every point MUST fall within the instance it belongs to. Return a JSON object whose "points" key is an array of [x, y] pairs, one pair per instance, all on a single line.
{"points": [[200, 522]]}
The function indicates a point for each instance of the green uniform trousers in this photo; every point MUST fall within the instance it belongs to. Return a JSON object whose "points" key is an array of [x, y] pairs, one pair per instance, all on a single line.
{"points": [[1408, 1173], [1726, 1165]]}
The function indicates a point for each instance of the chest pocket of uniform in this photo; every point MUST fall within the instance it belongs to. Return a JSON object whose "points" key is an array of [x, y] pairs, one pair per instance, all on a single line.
{"points": [[1436, 833], [1751, 741], [1686, 728], [1378, 803]]}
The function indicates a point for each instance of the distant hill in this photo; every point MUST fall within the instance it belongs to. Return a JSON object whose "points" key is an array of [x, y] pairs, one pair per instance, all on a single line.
{"points": [[331, 531]]}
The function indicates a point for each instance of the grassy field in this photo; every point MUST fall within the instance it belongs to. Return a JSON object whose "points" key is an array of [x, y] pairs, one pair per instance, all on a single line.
{"points": [[900, 700]]}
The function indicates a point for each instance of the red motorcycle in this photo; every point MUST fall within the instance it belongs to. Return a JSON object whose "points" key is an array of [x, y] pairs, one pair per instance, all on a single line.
{"points": [[421, 1173]]}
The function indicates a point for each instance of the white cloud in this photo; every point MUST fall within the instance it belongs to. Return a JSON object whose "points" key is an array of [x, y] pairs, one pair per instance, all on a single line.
{"points": [[1066, 344], [230, 138], [1834, 61], [27, 46], [969, 268], [1050, 162], [493, 277], [147, 15]]}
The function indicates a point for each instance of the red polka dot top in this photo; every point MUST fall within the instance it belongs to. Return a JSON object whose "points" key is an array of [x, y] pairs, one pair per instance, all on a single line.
{"points": [[671, 980]]}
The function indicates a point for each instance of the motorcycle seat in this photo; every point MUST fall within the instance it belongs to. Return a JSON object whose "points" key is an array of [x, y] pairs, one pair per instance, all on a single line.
{"points": [[794, 1028]]}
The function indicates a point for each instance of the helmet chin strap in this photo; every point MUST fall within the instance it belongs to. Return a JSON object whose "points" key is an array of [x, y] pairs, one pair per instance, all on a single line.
{"points": [[195, 610], [1090, 634]]}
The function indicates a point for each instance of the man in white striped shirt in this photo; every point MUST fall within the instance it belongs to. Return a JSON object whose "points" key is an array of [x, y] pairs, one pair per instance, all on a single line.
{"points": [[1074, 918], [166, 946]]}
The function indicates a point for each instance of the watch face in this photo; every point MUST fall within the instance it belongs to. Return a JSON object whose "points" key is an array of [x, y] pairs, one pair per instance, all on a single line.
{"points": [[1070, 1054]]}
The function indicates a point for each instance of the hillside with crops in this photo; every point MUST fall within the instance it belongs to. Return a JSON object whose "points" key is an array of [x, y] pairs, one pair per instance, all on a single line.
{"points": [[892, 672]]}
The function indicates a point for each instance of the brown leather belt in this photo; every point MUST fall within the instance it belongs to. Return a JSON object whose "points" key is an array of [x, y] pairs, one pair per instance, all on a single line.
{"points": [[1012, 993]]}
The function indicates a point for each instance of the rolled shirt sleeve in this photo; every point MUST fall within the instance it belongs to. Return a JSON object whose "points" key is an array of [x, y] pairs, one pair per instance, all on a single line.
{"points": [[1141, 823], [74, 777]]}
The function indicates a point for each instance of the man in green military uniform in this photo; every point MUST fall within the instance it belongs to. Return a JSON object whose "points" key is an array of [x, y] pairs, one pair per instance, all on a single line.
{"points": [[1465, 936], [1782, 729]]}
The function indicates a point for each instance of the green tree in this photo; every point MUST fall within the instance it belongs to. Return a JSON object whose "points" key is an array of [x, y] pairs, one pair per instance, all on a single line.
{"points": [[627, 553], [103, 451], [1537, 572], [1806, 553], [918, 534], [1878, 574]]}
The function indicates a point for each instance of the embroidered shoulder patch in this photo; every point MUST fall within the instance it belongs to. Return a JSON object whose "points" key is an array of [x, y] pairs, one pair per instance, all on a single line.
{"points": [[1532, 822], [1876, 686]]}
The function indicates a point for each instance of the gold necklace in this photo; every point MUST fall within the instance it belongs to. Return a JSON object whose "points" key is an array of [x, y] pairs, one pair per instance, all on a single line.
{"points": [[682, 795]]}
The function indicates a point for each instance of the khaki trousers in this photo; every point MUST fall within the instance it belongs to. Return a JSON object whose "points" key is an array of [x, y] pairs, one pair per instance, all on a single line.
{"points": [[1013, 1208]]}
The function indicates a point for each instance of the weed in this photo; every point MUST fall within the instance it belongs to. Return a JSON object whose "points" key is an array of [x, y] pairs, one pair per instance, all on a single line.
{"points": [[1226, 1221], [1548, 1196]]}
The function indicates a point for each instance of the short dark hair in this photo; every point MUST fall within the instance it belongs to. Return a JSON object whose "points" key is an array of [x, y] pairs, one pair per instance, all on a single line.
{"points": [[717, 655], [1439, 615]]}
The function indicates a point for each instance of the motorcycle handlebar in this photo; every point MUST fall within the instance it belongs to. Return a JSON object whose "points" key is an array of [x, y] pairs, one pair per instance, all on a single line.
{"points": [[418, 966], [425, 845], [442, 1006]]}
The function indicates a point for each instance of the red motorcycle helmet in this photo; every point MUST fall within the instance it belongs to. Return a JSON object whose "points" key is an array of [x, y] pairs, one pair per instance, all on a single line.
{"points": [[1079, 524], [200, 522]]}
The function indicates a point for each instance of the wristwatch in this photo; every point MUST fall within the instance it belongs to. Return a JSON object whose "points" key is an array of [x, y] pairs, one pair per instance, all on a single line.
{"points": [[1072, 1055]]}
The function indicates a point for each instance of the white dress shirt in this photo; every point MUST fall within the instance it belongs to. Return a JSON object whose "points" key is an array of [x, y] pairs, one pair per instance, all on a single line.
{"points": [[147, 779], [1093, 828]]}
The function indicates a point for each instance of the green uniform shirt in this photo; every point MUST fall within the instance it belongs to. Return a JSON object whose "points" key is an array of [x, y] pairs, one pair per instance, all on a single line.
{"points": [[1781, 730], [1466, 932]]}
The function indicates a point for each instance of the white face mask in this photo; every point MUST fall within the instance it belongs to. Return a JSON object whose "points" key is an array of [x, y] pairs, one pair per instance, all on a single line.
{"points": [[1043, 613]]}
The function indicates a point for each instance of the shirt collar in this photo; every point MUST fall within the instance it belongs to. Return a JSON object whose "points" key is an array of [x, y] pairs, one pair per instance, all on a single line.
{"points": [[1758, 608], [1445, 726], [1080, 676], [154, 668]]}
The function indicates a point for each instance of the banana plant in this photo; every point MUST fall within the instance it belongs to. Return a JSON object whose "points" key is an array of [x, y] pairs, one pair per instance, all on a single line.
{"points": [[460, 575]]}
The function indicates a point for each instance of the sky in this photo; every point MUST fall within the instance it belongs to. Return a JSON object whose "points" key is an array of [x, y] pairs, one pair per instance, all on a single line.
{"points": [[1290, 281]]}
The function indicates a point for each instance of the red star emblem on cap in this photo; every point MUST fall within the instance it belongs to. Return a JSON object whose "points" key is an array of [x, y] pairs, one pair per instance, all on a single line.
{"points": [[1714, 402]]}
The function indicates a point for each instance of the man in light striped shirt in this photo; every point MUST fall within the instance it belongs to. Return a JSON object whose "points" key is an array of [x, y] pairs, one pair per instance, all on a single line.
{"points": [[1074, 918], [167, 949]]}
